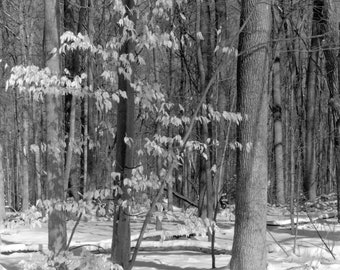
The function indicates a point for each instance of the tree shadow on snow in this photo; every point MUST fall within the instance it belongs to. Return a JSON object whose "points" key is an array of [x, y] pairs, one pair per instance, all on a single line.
{"points": [[160, 266], [310, 233]]}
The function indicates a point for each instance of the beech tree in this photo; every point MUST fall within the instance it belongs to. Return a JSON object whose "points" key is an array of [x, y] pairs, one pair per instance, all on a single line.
{"points": [[249, 243]]}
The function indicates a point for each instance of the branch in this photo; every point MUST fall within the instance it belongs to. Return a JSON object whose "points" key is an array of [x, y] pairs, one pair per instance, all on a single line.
{"points": [[178, 195]]}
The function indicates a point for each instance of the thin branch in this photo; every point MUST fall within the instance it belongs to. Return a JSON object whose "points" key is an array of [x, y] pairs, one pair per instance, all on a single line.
{"points": [[320, 236], [73, 231], [278, 243]]}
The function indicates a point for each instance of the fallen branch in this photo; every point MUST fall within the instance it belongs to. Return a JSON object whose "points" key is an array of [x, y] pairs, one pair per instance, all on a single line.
{"points": [[171, 245]]}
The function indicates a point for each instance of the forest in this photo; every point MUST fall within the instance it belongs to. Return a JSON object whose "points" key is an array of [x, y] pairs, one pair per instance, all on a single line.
{"points": [[136, 108]]}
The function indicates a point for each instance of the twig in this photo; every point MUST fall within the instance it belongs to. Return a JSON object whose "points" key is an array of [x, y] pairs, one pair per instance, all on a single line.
{"points": [[278, 243], [73, 231], [145, 224], [180, 196], [320, 236], [103, 250]]}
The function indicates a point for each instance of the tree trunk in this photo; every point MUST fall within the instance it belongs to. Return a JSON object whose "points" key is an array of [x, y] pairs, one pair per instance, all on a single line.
{"points": [[249, 245], [278, 141], [81, 65], [38, 170], [16, 155], [206, 197], [2, 187], [25, 168], [57, 234], [25, 134], [310, 181], [277, 113], [88, 105], [120, 252], [171, 183], [69, 151]]}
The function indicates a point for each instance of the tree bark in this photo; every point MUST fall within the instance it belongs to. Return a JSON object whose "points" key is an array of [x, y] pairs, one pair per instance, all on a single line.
{"points": [[25, 168], [69, 151], [25, 134], [278, 136], [2, 187], [249, 245], [277, 114], [120, 251], [310, 181], [57, 234], [88, 105], [81, 66], [206, 205]]}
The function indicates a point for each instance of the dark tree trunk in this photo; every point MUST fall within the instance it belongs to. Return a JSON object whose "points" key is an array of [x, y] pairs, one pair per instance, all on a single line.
{"points": [[206, 204], [124, 157], [310, 181], [249, 245]]}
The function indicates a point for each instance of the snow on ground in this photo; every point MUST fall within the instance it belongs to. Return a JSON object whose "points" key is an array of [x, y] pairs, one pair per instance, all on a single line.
{"points": [[310, 252]]}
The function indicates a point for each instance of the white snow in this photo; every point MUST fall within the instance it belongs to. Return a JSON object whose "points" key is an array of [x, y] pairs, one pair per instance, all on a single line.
{"points": [[310, 252]]}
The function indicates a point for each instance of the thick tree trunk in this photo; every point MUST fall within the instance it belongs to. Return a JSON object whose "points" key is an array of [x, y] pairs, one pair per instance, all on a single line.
{"points": [[25, 134], [120, 252], [206, 205], [310, 181], [57, 235], [88, 105], [249, 245], [171, 183], [81, 66], [16, 155]]}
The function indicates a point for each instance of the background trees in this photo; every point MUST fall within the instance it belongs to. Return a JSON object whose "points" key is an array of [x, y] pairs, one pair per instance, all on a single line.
{"points": [[156, 68]]}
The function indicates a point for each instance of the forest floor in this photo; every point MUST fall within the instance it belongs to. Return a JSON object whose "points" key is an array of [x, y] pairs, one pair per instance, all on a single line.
{"points": [[312, 241]]}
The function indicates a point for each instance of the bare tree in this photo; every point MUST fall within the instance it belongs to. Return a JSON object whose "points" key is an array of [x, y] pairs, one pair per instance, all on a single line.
{"points": [[249, 245]]}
